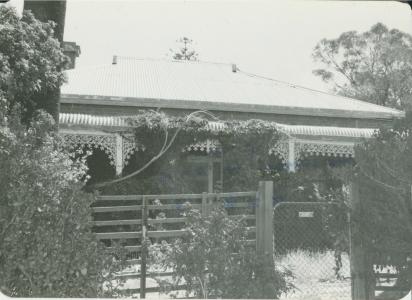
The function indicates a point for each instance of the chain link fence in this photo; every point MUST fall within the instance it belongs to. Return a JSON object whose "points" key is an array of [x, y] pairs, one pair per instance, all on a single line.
{"points": [[311, 240]]}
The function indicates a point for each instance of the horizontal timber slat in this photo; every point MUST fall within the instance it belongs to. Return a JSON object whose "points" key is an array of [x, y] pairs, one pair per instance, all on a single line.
{"points": [[133, 261], [116, 208], [237, 205], [247, 217], [128, 248], [153, 289], [150, 207], [166, 233], [150, 274], [252, 229], [148, 197], [117, 222], [153, 234], [156, 221], [119, 197], [175, 196], [171, 206], [250, 242], [166, 221], [236, 194], [118, 235]]}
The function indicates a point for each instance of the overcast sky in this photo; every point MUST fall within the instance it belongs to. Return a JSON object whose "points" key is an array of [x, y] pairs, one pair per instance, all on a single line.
{"points": [[270, 38]]}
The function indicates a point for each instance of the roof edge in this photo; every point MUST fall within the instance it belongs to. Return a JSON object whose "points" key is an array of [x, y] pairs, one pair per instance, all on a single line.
{"points": [[223, 106]]}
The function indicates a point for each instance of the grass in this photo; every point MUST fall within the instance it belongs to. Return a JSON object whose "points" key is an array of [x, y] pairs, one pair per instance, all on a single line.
{"points": [[315, 277]]}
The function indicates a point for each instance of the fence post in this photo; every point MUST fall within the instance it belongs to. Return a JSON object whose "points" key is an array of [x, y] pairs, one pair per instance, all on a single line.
{"points": [[205, 204], [264, 220], [359, 264], [143, 252]]}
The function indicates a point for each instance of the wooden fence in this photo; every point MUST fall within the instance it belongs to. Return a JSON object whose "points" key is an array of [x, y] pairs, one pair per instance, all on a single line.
{"points": [[135, 218]]}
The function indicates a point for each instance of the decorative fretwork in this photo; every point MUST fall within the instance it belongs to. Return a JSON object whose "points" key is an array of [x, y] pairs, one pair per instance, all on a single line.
{"points": [[281, 149], [129, 148], [325, 149], [308, 148], [107, 143], [208, 146]]}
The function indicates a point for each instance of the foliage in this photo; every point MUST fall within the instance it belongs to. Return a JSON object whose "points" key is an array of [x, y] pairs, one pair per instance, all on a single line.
{"points": [[318, 179], [314, 179], [215, 262], [31, 61], [185, 52], [375, 66], [47, 248], [383, 172], [245, 146]]}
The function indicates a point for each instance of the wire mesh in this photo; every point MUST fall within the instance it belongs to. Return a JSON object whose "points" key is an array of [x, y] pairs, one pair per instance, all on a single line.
{"points": [[310, 240]]}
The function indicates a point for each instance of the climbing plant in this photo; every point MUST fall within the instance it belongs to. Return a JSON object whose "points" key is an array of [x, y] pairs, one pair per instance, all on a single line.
{"points": [[243, 144]]}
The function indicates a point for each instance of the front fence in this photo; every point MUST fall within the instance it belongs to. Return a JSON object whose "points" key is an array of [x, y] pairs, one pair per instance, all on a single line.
{"points": [[311, 240], [132, 219]]}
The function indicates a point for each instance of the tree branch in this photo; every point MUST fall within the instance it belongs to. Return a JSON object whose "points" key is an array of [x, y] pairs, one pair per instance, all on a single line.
{"points": [[380, 182], [163, 150]]}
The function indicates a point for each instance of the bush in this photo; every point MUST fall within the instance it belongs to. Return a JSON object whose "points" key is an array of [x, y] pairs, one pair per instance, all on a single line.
{"points": [[214, 261], [47, 248], [31, 62]]}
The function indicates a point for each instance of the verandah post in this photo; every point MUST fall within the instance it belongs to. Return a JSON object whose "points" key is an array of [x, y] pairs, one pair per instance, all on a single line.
{"points": [[264, 220]]}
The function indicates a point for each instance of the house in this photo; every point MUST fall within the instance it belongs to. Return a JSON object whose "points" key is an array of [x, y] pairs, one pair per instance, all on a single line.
{"points": [[96, 101]]}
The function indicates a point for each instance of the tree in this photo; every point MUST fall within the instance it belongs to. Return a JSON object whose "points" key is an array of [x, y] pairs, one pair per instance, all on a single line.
{"points": [[185, 52], [47, 247], [46, 11], [383, 173], [31, 62], [374, 66], [384, 169]]}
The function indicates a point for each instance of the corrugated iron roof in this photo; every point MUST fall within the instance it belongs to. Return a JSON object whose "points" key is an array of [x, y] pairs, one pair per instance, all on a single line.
{"points": [[130, 80], [91, 120], [293, 130], [327, 131]]}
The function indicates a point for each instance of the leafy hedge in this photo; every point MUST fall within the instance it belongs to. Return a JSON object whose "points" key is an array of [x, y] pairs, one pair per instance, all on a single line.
{"points": [[47, 248]]}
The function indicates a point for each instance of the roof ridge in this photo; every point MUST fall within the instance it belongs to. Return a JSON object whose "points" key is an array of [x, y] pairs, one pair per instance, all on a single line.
{"points": [[170, 60]]}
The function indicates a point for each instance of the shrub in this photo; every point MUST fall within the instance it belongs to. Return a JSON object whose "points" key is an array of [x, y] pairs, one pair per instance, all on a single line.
{"points": [[46, 245], [214, 261], [31, 62]]}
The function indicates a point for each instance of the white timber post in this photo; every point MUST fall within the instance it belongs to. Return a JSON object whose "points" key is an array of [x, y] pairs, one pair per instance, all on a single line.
{"points": [[119, 154], [291, 156], [264, 223]]}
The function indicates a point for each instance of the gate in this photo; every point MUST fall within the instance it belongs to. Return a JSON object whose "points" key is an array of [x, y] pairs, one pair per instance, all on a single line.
{"points": [[311, 240], [132, 220]]}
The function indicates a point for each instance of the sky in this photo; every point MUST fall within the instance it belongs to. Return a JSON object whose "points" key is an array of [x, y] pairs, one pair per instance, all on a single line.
{"points": [[270, 38]]}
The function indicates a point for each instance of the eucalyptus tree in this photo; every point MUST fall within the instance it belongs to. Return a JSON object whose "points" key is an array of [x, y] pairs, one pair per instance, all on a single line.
{"points": [[374, 66]]}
